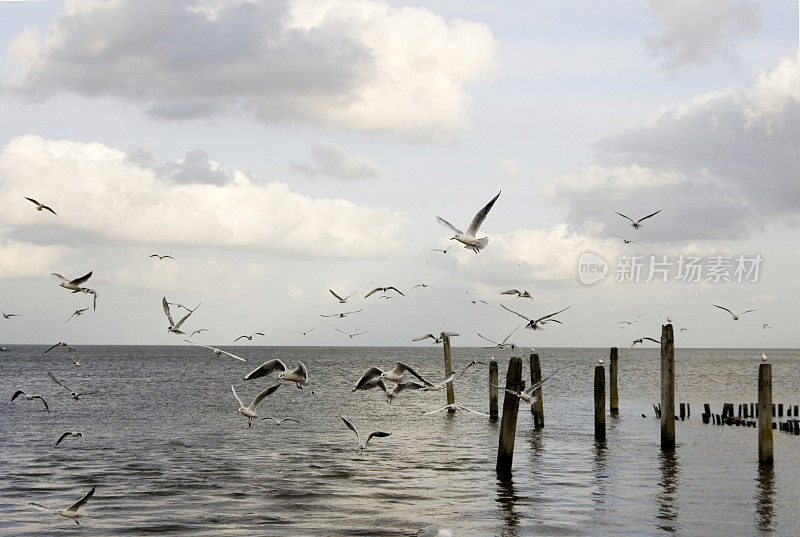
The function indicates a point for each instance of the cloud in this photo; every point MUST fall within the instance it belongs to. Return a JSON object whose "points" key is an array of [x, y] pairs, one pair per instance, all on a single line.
{"points": [[719, 166], [353, 64], [330, 161], [186, 274], [21, 260], [700, 33], [105, 195]]}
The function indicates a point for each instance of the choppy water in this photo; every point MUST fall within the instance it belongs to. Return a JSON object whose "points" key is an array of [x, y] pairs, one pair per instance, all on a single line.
{"points": [[170, 456]]}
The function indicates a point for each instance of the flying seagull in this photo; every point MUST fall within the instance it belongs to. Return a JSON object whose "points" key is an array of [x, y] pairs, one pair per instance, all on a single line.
{"points": [[469, 239], [371, 378], [641, 341], [533, 324], [250, 337], [436, 340], [342, 315], [298, 375], [735, 317], [502, 344], [10, 315], [765, 326], [279, 421], [472, 363], [375, 434], [76, 396], [636, 224], [72, 285], [353, 334], [453, 407], [527, 394], [182, 306], [520, 294], [408, 384], [40, 206], [59, 344], [249, 412], [73, 511], [77, 313], [342, 300], [383, 289], [74, 434], [423, 285], [444, 251], [30, 398], [216, 351], [174, 327], [626, 241], [304, 333], [198, 331], [162, 257]]}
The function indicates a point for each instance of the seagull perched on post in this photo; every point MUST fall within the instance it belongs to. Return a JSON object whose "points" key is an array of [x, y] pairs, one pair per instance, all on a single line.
{"points": [[40, 206], [174, 327], [735, 317], [469, 239], [636, 224], [534, 324]]}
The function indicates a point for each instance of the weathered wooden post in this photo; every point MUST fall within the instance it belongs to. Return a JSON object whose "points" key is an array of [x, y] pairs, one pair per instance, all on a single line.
{"points": [[600, 403], [537, 408], [508, 423], [493, 381], [765, 414], [667, 388], [613, 406], [448, 370]]}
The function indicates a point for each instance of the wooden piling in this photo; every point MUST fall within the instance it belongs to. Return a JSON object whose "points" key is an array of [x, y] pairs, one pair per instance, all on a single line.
{"points": [[780, 410], [795, 410], [667, 388], [613, 367], [448, 370], [508, 423], [493, 381], [765, 414], [600, 403], [537, 408], [683, 411]]}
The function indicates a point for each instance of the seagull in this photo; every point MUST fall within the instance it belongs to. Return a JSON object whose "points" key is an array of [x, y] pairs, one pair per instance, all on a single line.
{"points": [[371, 378], [30, 398], [279, 421], [433, 530], [763, 357], [408, 384], [472, 363], [342, 315], [527, 394], [162, 257], [396, 374], [453, 407], [387, 297], [298, 375], [502, 344], [626, 241], [198, 331], [534, 324], [40, 206], [10, 315], [182, 306], [600, 361], [436, 340], [636, 224], [765, 326], [352, 335], [735, 317], [304, 333], [342, 300], [250, 337], [640, 340], [77, 313], [216, 351], [249, 412], [94, 294], [74, 434], [384, 289], [76, 396], [683, 329], [669, 318], [445, 250], [59, 344], [76, 361], [174, 327], [520, 294], [423, 285], [468, 239], [72, 285], [376, 434], [73, 510]]}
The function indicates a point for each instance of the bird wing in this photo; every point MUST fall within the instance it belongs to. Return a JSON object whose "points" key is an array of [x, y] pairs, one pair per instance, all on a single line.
{"points": [[405, 367], [510, 292], [38, 506], [368, 376], [514, 312], [429, 387], [504, 389], [236, 395], [232, 355], [177, 326], [623, 216], [653, 340], [49, 374], [49, 209], [343, 332], [266, 368], [540, 319], [17, 394], [429, 412], [240, 337], [726, 309], [351, 427], [373, 291], [323, 315], [396, 289], [32, 200], [746, 311], [426, 336], [470, 410], [337, 296], [487, 339], [509, 335], [77, 505], [165, 304], [536, 386], [301, 369], [467, 367], [356, 311], [258, 334], [62, 437], [480, 217], [617, 236], [377, 434], [649, 215], [59, 277], [47, 408], [263, 394], [78, 281], [445, 223]]}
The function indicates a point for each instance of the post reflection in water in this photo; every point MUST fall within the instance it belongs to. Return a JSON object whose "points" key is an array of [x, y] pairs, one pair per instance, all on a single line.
{"points": [[667, 507], [600, 473], [764, 499], [506, 500]]}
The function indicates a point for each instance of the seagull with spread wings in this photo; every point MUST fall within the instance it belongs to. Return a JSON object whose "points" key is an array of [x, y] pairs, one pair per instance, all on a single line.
{"points": [[383, 289], [250, 337], [304, 332], [444, 251], [298, 375], [351, 335], [76, 396], [636, 224], [735, 317], [73, 511], [642, 340], [40, 206], [436, 340], [77, 313], [216, 351], [469, 239], [370, 436], [74, 434], [534, 324], [31, 398], [340, 299], [174, 327], [162, 257], [341, 315], [527, 394], [627, 241], [10, 315], [249, 412], [59, 344], [520, 294], [72, 285], [503, 344]]}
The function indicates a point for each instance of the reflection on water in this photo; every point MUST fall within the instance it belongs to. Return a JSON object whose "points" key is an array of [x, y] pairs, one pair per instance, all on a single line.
{"points": [[507, 499], [667, 508], [601, 476], [764, 501]]}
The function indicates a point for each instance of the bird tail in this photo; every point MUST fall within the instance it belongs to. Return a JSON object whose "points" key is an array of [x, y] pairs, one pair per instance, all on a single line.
{"points": [[482, 243]]}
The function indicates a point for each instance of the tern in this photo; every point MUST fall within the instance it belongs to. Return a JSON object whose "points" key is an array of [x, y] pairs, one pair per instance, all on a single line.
{"points": [[77, 313], [453, 407], [74, 434], [342, 300], [626, 241], [343, 314], [436, 340], [73, 511], [735, 317], [520, 294], [373, 434], [30, 398], [250, 337], [641, 341], [304, 333], [636, 224], [444, 251], [76, 396], [216, 351], [384, 289], [249, 412], [200, 331], [40, 206], [182, 306], [10, 315], [502, 344], [174, 327], [162, 257], [471, 364], [469, 239], [533, 324], [353, 334], [298, 375], [59, 344], [527, 394]]}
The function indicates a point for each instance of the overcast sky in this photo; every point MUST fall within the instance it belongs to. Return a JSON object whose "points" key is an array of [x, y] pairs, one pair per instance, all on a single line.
{"points": [[278, 149]]}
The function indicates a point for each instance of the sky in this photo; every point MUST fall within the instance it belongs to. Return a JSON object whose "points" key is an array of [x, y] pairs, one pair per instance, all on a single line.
{"points": [[280, 149]]}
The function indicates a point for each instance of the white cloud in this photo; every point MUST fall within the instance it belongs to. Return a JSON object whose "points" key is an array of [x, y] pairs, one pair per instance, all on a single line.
{"points": [[330, 161], [102, 194], [701, 32], [355, 64], [20, 260], [186, 274]]}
